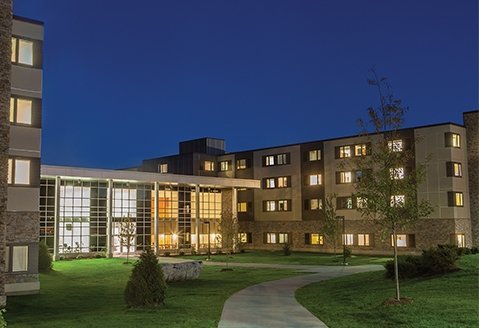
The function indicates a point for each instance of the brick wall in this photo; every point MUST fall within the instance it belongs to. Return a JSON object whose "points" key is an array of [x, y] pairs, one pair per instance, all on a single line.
{"points": [[471, 122]]}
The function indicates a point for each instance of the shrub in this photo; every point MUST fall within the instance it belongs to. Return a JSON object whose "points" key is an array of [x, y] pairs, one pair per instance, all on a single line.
{"points": [[347, 252], [146, 286], [193, 252], [181, 253], [474, 250], [166, 254], [44, 259], [408, 266], [439, 260], [286, 249], [219, 252], [3, 322]]}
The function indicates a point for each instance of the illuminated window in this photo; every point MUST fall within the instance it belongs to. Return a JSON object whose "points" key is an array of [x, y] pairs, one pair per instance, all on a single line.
{"points": [[20, 111], [283, 205], [271, 238], [360, 150], [397, 173], [314, 155], [460, 240], [209, 166], [398, 200], [317, 239], [224, 166], [270, 183], [163, 168], [283, 182], [245, 237], [22, 51], [344, 151], [344, 177], [361, 202], [363, 239], [283, 238], [314, 204], [242, 207], [315, 179], [344, 203], [402, 240], [241, 164], [395, 145], [270, 206], [348, 239], [19, 258], [18, 171], [278, 159], [454, 169], [269, 160]]}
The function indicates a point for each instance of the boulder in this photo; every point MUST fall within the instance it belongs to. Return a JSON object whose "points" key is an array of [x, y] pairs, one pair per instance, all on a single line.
{"points": [[181, 271]]}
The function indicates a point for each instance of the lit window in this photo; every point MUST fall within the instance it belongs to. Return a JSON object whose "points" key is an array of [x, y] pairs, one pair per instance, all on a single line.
{"points": [[397, 173], [315, 204], [283, 238], [454, 169], [270, 183], [401, 240], [14, 50], [456, 140], [282, 159], [361, 202], [315, 179], [245, 237], [344, 203], [360, 150], [18, 171], [459, 200], [164, 168], [224, 166], [209, 166], [282, 182], [348, 239], [269, 160], [398, 200], [317, 239], [242, 207], [395, 145], [20, 111], [283, 205], [345, 177], [314, 155], [271, 238], [22, 51], [241, 164], [460, 240], [363, 239], [344, 151], [19, 258], [270, 206]]}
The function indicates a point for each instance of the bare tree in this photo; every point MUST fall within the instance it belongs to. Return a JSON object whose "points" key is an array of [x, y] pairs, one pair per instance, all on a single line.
{"points": [[331, 227], [229, 229], [127, 234]]}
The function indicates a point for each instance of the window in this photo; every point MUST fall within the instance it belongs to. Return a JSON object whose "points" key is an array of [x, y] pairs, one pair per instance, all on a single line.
{"points": [[241, 164], [344, 177], [270, 183], [460, 240], [245, 237], [454, 169], [20, 111], [269, 160], [344, 151], [283, 182], [363, 239], [224, 166], [22, 51], [19, 171], [281, 205], [397, 173], [164, 168], [314, 155], [314, 179], [358, 175], [396, 145], [313, 239], [456, 198], [283, 238], [314, 204], [348, 239], [360, 150], [344, 203], [453, 140], [398, 200], [19, 258], [279, 182], [270, 206], [209, 166], [271, 238], [361, 202], [404, 240], [278, 159], [242, 207], [276, 238]]}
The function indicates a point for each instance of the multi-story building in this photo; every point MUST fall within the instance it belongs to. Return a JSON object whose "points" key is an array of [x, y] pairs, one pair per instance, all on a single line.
{"points": [[23, 176]]}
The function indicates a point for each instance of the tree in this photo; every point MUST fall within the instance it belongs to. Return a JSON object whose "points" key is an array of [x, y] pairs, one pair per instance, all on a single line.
{"points": [[127, 235], [229, 229], [44, 258], [146, 286], [331, 227], [387, 189]]}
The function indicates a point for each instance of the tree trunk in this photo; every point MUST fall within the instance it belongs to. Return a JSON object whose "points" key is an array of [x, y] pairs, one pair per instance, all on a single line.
{"points": [[396, 271]]}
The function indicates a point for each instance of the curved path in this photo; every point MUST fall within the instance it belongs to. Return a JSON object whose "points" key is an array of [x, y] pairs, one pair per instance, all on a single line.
{"points": [[273, 304]]}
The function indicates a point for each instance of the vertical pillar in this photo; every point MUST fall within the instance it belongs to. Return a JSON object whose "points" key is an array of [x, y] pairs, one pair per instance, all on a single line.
{"points": [[56, 236], [156, 226], [109, 215], [234, 200], [197, 216]]}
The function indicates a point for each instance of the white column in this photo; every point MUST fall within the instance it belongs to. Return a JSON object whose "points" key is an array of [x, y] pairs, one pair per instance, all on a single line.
{"points": [[197, 216], [109, 214], [56, 236], [156, 226]]}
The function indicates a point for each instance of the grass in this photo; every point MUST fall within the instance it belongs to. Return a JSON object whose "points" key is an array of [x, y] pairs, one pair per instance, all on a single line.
{"points": [[89, 293], [304, 258], [450, 300]]}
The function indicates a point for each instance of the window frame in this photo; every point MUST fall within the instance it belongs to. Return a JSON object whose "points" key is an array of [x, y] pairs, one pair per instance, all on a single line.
{"points": [[241, 164], [16, 49], [12, 171]]}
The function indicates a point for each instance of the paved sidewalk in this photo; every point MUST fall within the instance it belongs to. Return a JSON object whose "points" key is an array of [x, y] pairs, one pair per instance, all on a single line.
{"points": [[273, 304]]}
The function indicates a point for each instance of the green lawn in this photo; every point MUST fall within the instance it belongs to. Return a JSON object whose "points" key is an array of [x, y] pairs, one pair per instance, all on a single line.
{"points": [[89, 293], [450, 300], [305, 258]]}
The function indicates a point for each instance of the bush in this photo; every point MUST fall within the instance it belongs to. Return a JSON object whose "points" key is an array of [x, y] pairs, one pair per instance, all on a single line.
{"points": [[193, 252], [474, 250], [439, 260], [44, 258], [3, 322], [408, 267], [166, 254], [146, 286], [347, 252], [181, 253], [286, 249]]}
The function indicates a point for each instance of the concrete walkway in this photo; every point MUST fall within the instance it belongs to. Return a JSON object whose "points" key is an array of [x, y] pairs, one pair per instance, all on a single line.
{"points": [[273, 304]]}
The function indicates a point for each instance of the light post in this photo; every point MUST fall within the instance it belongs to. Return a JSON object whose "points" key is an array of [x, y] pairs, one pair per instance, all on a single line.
{"points": [[209, 244]]}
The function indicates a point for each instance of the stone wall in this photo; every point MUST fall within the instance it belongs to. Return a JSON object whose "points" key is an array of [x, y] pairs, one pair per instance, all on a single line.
{"points": [[471, 122], [23, 227], [5, 84]]}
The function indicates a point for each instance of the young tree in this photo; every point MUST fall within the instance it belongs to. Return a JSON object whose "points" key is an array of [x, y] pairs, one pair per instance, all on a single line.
{"points": [[127, 235], [229, 229], [331, 227], [387, 189]]}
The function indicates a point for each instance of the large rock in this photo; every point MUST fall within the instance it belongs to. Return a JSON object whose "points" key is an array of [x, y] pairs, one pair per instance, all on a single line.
{"points": [[181, 271]]}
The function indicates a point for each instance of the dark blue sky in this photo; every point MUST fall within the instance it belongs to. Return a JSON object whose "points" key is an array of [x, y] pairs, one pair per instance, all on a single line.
{"points": [[127, 80]]}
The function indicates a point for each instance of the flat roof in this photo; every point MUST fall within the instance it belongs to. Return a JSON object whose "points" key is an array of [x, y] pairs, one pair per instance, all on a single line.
{"points": [[67, 172]]}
